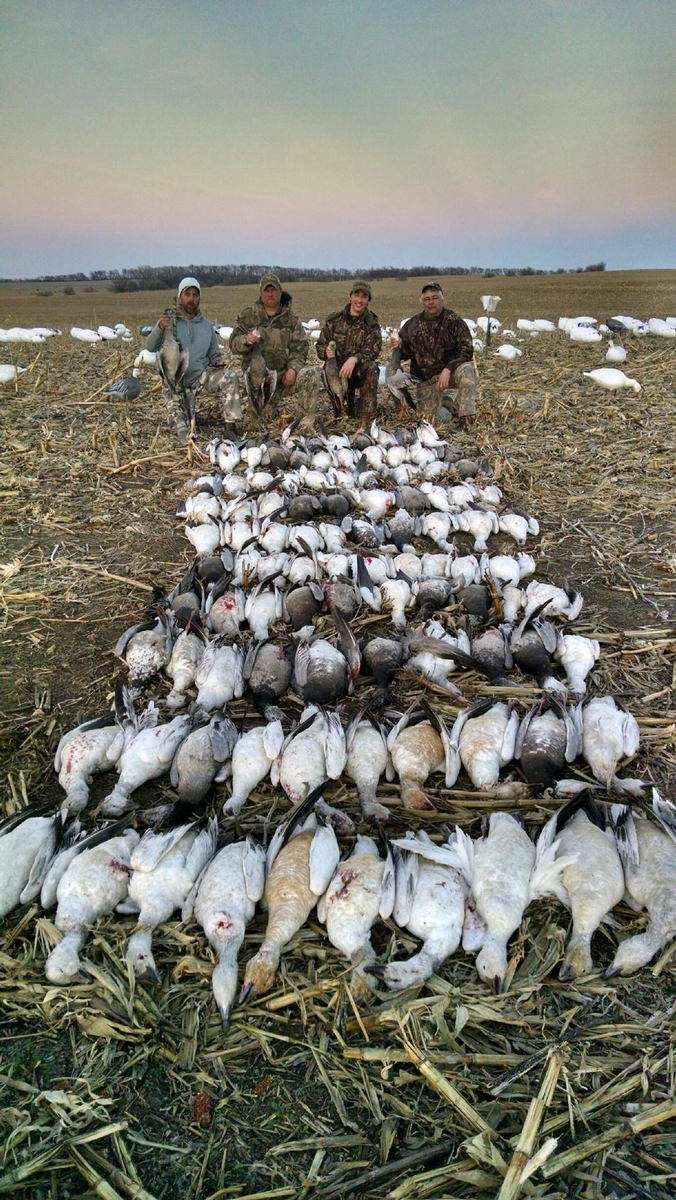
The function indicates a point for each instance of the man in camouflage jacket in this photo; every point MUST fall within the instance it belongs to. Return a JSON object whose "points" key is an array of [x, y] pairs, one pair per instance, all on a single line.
{"points": [[272, 323], [355, 330], [438, 345]]}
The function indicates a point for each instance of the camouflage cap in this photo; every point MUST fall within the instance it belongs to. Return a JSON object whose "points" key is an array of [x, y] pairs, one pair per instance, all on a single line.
{"points": [[360, 285], [270, 281], [432, 287]]}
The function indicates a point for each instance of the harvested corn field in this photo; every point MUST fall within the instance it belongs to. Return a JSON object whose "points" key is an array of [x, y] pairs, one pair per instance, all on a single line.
{"points": [[444, 1089]]}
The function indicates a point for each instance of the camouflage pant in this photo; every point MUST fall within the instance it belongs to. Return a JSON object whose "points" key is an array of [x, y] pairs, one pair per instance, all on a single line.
{"points": [[220, 381], [429, 397], [305, 389], [364, 379]]}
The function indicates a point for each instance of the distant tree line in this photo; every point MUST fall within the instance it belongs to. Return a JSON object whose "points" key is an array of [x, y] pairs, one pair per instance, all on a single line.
{"points": [[151, 279]]}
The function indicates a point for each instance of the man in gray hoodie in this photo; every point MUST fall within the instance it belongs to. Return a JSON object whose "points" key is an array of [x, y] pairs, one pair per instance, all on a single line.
{"points": [[206, 370]]}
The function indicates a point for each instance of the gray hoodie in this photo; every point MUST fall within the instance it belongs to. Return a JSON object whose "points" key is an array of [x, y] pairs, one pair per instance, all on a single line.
{"points": [[194, 334]]}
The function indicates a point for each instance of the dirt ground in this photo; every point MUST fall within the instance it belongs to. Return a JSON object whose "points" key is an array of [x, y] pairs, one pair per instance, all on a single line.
{"points": [[278, 1107]]}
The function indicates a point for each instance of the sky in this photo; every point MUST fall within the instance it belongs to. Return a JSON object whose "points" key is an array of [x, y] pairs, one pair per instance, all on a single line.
{"points": [[337, 133]]}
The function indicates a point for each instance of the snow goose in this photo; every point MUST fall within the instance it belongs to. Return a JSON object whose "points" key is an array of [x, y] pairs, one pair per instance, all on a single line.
{"points": [[651, 884], [95, 882], [27, 846], [505, 873], [361, 890], [577, 656], [367, 760], [430, 903], [204, 757], [93, 747], [148, 755], [224, 903], [165, 867], [610, 734], [591, 883], [299, 871], [252, 758]]}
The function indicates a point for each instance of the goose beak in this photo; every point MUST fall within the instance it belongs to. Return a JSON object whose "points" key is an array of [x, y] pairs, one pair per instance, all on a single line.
{"points": [[247, 993], [150, 975], [497, 986], [377, 969], [81, 976], [566, 972], [611, 972]]}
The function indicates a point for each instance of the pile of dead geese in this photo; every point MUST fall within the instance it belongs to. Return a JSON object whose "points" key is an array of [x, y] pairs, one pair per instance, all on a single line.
{"points": [[296, 542]]}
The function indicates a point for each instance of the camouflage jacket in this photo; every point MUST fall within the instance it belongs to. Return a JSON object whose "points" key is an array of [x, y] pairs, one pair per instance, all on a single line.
{"points": [[432, 345], [358, 336], [284, 342]]}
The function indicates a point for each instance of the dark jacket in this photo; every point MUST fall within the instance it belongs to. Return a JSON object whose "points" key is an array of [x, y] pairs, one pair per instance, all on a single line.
{"points": [[284, 343], [194, 334], [359, 336], [432, 345]]}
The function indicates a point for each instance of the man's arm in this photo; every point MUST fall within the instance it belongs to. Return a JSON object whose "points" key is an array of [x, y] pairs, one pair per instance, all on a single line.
{"points": [[243, 325], [372, 344], [214, 353], [155, 338], [460, 346], [323, 340]]}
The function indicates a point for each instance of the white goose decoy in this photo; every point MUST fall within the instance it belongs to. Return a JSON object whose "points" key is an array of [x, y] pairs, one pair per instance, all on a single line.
{"points": [[610, 734], [252, 760], [148, 755], [429, 902], [106, 333], [224, 903], [165, 867], [577, 656], [9, 373], [584, 334], [85, 335], [95, 882], [91, 748], [615, 354], [611, 379], [361, 890], [27, 846], [508, 352], [650, 883], [298, 873]]}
